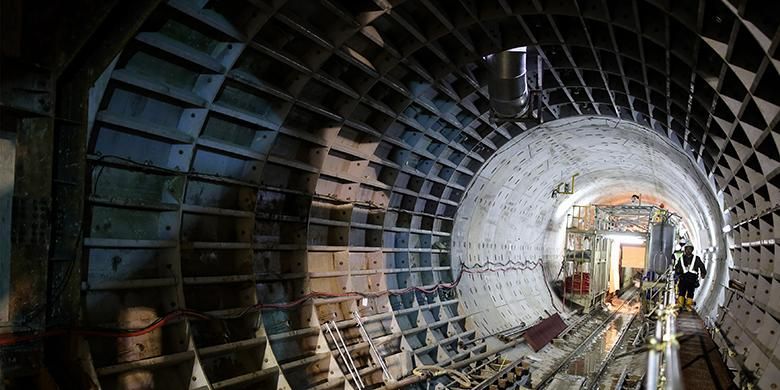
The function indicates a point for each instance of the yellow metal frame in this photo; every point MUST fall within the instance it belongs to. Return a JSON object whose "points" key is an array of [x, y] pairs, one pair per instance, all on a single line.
{"points": [[571, 189]]}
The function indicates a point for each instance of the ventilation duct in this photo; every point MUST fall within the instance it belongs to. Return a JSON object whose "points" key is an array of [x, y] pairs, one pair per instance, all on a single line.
{"points": [[508, 84]]}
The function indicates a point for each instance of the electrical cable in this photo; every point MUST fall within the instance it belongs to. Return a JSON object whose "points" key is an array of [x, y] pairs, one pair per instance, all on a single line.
{"points": [[521, 264], [17, 338], [11, 339], [549, 291]]}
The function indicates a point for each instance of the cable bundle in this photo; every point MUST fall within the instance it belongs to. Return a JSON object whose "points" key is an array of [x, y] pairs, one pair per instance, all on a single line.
{"points": [[18, 338]]}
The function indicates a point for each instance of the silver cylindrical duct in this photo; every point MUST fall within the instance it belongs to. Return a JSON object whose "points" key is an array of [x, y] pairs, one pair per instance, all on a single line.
{"points": [[508, 84], [661, 247]]}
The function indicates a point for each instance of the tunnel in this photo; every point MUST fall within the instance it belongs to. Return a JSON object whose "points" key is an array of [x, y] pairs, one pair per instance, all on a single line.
{"points": [[293, 194]]}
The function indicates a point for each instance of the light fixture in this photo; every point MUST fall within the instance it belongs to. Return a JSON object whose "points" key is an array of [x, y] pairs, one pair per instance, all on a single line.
{"points": [[626, 239]]}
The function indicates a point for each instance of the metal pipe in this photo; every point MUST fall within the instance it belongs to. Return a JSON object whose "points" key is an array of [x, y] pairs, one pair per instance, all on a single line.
{"points": [[672, 357], [501, 333], [377, 356], [653, 360], [665, 363], [346, 352], [672, 360], [508, 83], [338, 347]]}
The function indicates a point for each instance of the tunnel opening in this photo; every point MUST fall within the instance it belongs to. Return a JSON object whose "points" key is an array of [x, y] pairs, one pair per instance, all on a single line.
{"points": [[612, 157]]}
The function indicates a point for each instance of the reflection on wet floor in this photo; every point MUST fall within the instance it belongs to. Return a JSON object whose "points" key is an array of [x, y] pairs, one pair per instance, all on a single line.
{"points": [[589, 360]]}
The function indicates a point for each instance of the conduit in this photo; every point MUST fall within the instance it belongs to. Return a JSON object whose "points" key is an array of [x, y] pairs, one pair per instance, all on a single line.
{"points": [[508, 83]]}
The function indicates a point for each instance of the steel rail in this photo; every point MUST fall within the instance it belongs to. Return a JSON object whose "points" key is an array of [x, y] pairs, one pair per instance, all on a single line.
{"points": [[549, 377], [593, 383]]}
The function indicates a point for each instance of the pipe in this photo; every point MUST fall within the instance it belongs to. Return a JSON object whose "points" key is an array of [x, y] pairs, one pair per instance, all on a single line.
{"points": [[501, 333], [665, 362], [653, 361], [346, 363], [346, 352], [508, 83], [671, 357], [367, 337]]}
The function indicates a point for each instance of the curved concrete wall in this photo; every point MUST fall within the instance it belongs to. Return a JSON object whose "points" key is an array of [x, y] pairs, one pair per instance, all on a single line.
{"points": [[508, 213]]}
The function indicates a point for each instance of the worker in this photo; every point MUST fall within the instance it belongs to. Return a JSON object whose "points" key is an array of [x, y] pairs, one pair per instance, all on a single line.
{"points": [[688, 270]]}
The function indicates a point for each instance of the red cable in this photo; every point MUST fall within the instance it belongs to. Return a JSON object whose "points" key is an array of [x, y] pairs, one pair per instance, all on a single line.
{"points": [[17, 338]]}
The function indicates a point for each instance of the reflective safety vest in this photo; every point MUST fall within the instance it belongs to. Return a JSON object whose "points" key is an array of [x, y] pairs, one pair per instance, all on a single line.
{"points": [[690, 268]]}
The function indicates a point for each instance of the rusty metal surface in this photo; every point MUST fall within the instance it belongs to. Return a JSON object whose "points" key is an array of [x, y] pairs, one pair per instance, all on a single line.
{"points": [[542, 333]]}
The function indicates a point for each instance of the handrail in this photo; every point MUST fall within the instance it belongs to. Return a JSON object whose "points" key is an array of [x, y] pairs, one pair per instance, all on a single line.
{"points": [[663, 359]]}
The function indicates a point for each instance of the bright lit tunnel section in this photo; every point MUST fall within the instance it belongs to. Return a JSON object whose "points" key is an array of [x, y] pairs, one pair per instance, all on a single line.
{"points": [[508, 213]]}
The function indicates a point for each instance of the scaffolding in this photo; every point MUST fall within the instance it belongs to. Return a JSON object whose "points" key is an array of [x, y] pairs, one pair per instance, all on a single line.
{"points": [[625, 219], [586, 258], [659, 228]]}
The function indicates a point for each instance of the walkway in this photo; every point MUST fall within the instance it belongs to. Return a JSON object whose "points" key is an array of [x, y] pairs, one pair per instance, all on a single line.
{"points": [[702, 365]]}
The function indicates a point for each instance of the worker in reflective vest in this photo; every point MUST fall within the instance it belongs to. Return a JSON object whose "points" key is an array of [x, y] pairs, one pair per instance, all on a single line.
{"points": [[689, 269]]}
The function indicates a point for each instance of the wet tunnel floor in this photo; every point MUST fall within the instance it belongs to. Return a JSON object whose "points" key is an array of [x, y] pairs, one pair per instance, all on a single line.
{"points": [[589, 360], [586, 362], [702, 364]]}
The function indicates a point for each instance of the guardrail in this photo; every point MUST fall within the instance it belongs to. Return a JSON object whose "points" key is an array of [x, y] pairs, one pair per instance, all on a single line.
{"points": [[663, 359]]}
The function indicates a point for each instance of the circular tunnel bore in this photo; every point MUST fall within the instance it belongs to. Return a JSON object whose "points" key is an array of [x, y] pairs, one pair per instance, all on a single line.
{"points": [[256, 170], [508, 214]]}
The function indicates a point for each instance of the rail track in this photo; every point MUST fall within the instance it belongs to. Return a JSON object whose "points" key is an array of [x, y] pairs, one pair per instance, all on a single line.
{"points": [[590, 349]]}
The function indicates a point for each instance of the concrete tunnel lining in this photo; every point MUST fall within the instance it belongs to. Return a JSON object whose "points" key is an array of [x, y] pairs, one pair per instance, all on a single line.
{"points": [[253, 153], [507, 213]]}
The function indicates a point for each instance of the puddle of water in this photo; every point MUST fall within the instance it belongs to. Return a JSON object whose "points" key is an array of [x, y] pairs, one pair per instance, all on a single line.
{"points": [[589, 360]]}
